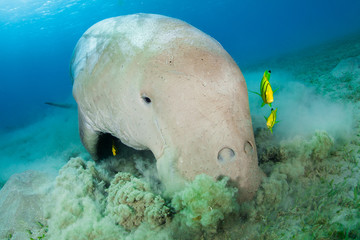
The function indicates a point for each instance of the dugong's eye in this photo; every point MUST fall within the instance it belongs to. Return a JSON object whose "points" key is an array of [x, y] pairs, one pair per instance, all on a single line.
{"points": [[146, 99]]}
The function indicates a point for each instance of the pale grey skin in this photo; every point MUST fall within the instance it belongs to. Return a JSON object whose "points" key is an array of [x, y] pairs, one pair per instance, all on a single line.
{"points": [[198, 120]]}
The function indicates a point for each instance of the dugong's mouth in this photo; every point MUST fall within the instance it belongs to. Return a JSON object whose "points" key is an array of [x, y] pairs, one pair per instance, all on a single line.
{"points": [[109, 146]]}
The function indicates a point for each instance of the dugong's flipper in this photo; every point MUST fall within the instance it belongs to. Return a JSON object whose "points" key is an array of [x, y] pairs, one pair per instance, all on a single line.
{"points": [[89, 137]]}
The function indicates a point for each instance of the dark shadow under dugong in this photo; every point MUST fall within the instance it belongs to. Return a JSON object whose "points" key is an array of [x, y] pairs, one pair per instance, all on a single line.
{"points": [[158, 83]]}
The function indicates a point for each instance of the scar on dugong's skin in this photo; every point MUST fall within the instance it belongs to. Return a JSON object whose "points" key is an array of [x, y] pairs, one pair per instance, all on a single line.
{"points": [[158, 83]]}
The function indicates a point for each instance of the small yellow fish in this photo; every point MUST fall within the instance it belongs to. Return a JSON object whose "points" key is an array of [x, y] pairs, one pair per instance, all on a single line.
{"points": [[266, 92], [271, 120], [113, 149]]}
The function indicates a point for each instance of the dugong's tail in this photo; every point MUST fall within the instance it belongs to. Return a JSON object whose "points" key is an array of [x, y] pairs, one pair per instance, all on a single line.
{"points": [[62, 105]]}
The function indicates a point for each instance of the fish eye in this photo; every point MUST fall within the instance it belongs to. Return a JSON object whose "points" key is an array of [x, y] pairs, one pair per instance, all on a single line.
{"points": [[146, 99]]}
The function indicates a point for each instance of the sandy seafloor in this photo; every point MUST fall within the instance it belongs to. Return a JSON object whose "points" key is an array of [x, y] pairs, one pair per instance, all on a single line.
{"points": [[311, 161]]}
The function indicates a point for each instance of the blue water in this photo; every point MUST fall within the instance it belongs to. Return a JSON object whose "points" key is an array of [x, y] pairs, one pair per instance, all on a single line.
{"points": [[37, 38]]}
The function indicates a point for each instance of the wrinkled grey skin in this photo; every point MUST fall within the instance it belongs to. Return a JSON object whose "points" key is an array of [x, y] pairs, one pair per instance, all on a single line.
{"points": [[158, 83]]}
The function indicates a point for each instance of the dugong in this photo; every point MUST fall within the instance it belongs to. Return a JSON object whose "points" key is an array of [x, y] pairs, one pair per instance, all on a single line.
{"points": [[158, 83]]}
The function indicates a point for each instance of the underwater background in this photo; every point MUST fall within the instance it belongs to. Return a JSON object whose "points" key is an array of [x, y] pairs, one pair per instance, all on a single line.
{"points": [[311, 161]]}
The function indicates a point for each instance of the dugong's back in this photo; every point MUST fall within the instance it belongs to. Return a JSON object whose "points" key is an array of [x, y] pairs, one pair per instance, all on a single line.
{"points": [[158, 83], [132, 34]]}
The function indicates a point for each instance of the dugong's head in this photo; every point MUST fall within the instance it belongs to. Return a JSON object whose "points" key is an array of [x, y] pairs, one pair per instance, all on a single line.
{"points": [[158, 83]]}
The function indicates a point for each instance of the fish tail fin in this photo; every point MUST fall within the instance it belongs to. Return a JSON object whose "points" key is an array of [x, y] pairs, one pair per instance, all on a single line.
{"points": [[265, 118], [270, 105], [271, 130]]}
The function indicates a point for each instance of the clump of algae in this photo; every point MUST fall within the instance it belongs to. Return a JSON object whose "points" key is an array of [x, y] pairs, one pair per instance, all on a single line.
{"points": [[130, 202], [299, 158], [77, 204], [205, 202]]}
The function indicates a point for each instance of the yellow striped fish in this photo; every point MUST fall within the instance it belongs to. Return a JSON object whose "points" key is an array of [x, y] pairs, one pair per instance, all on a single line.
{"points": [[113, 149], [271, 120], [266, 92]]}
